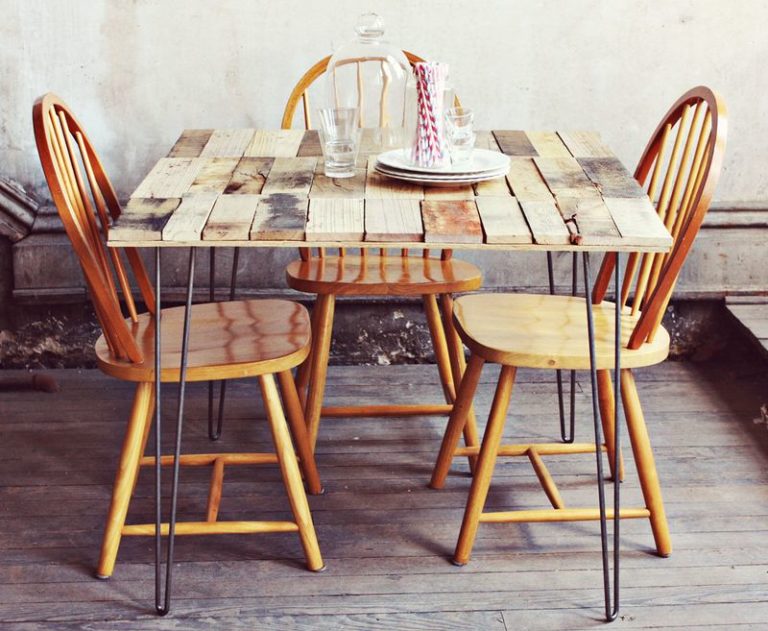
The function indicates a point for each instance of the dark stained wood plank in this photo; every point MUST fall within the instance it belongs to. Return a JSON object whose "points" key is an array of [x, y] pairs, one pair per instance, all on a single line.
{"points": [[545, 222], [564, 176], [526, 181], [143, 218], [280, 217], [190, 143], [213, 176], [231, 218], [503, 220], [249, 176], [335, 220], [290, 175], [393, 220], [451, 222], [585, 144], [188, 220], [328, 187], [515, 143], [310, 145], [592, 218], [611, 177]]}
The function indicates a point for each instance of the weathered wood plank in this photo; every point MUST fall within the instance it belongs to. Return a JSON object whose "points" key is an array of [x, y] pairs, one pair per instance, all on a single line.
{"points": [[143, 218], [545, 222], [378, 186], [503, 220], [336, 220], [637, 221], [451, 222], [564, 176], [249, 176], [290, 175], [515, 143], [278, 143], [447, 193], [593, 219], [227, 143], [310, 145], [331, 187], [231, 218], [548, 144], [190, 143], [585, 144], [611, 177], [214, 176], [170, 177], [393, 220], [526, 181], [493, 188], [280, 217], [188, 220]]}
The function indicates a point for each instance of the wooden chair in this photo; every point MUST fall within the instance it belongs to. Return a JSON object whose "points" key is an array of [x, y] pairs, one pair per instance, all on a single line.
{"points": [[679, 169], [434, 279], [260, 338]]}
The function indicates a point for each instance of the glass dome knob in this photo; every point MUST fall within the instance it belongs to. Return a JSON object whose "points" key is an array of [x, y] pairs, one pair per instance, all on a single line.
{"points": [[370, 26]]}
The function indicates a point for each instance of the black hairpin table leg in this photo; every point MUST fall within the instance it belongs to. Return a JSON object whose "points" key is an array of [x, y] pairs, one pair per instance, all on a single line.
{"points": [[566, 437], [163, 604], [223, 391], [213, 434], [611, 606]]}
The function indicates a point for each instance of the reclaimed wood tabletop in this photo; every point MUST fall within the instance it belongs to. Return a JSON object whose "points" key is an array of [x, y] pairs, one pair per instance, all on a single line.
{"points": [[249, 187]]}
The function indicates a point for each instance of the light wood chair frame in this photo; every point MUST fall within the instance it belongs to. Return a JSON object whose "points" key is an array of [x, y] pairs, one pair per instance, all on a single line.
{"points": [[682, 196], [87, 206], [438, 307]]}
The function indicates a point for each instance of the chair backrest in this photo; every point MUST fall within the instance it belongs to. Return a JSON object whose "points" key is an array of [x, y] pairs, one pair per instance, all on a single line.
{"points": [[87, 203], [300, 91], [679, 170]]}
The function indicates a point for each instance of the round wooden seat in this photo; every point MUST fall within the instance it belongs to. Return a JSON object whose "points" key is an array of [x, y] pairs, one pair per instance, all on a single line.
{"points": [[375, 275], [541, 331], [228, 340]]}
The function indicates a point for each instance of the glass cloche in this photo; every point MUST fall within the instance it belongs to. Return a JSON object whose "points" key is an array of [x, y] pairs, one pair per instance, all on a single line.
{"points": [[370, 74]]}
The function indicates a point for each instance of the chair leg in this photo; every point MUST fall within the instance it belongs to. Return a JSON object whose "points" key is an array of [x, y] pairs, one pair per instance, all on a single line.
{"points": [[458, 367], [299, 431], [303, 371], [457, 421], [440, 345], [321, 347], [289, 468], [607, 408], [486, 462], [127, 472], [646, 467]]}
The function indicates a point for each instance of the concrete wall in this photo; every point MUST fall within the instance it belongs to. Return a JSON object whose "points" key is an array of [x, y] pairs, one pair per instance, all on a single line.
{"points": [[139, 71]]}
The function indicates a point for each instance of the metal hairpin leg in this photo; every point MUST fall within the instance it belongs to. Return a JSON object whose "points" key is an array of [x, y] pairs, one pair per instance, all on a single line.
{"points": [[216, 434], [569, 436], [611, 608], [165, 607]]}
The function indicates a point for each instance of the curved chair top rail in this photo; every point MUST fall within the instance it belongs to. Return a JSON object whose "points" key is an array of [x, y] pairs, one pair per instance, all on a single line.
{"points": [[87, 204]]}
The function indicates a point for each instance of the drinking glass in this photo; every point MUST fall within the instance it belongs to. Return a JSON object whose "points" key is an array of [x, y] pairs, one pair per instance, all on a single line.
{"points": [[459, 133], [339, 139]]}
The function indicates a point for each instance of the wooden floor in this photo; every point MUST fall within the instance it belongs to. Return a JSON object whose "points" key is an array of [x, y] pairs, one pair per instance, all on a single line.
{"points": [[386, 538]]}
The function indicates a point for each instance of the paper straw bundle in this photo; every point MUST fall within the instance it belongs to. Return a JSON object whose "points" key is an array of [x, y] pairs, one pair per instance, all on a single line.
{"points": [[429, 147]]}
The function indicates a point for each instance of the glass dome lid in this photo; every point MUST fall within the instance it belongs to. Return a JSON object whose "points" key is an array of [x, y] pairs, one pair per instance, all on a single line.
{"points": [[370, 74]]}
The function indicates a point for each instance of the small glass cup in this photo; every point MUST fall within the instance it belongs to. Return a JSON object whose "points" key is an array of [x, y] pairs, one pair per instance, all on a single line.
{"points": [[339, 140], [459, 134]]}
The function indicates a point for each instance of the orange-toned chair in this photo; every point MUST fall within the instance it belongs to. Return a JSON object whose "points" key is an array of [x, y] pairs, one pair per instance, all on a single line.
{"points": [[679, 170], [260, 338], [432, 278]]}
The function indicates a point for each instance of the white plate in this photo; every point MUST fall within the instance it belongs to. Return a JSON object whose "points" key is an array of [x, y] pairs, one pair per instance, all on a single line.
{"points": [[424, 177], [416, 178], [483, 161]]}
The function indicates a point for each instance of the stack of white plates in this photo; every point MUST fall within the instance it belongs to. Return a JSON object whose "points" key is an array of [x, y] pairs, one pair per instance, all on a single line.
{"points": [[484, 165]]}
